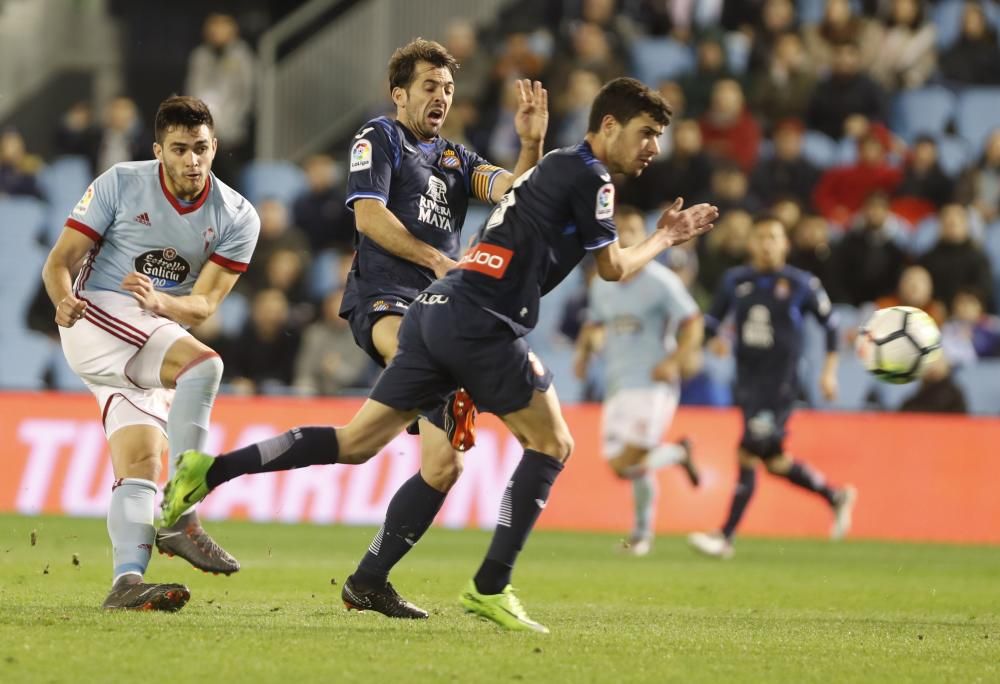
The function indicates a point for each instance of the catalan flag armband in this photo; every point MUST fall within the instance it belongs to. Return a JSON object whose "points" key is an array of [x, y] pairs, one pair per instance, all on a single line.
{"points": [[483, 177]]}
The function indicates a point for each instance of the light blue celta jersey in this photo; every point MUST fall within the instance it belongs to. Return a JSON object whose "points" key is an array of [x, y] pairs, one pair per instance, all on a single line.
{"points": [[640, 317], [138, 225]]}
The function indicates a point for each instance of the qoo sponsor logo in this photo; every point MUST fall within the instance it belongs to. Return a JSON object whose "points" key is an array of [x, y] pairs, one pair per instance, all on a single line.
{"points": [[66, 469], [491, 260]]}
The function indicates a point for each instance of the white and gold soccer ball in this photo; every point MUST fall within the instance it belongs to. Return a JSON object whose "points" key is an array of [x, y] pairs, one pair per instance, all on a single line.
{"points": [[897, 344]]}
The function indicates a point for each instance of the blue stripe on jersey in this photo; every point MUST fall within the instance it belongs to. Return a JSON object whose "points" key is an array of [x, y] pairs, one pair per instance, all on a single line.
{"points": [[365, 195], [602, 243], [393, 135]]}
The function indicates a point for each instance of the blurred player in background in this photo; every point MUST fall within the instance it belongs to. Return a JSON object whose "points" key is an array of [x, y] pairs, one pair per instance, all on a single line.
{"points": [[165, 242], [467, 330], [651, 332], [770, 300], [409, 189]]}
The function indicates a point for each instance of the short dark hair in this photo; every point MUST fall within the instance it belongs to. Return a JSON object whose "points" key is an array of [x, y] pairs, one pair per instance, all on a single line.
{"points": [[181, 111], [625, 99], [404, 60]]}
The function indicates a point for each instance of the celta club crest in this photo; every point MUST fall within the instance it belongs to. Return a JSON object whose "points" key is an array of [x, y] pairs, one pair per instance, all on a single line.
{"points": [[437, 191]]}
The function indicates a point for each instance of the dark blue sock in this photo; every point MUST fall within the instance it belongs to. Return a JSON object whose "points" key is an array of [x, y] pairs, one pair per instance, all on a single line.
{"points": [[524, 498], [802, 475], [297, 448], [741, 497], [410, 513]]}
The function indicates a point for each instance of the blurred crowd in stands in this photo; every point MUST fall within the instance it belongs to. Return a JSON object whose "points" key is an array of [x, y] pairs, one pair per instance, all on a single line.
{"points": [[870, 127]]}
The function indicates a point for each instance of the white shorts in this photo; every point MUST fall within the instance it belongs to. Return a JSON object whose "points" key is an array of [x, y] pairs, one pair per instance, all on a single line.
{"points": [[637, 417], [102, 347]]}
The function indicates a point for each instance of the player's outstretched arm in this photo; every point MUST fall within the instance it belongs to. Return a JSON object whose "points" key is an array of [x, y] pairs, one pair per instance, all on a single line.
{"points": [[376, 222], [531, 121], [212, 286], [674, 227], [69, 249]]}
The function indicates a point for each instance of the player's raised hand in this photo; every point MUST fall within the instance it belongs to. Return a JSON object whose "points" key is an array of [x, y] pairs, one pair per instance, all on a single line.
{"points": [[142, 290], [532, 117], [69, 311], [682, 224]]}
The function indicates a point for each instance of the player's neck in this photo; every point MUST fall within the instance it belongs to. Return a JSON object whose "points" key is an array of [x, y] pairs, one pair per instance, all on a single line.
{"points": [[598, 147], [768, 268], [419, 138]]}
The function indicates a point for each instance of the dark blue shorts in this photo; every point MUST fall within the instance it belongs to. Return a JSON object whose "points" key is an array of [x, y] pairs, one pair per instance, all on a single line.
{"points": [[366, 314], [446, 343], [766, 411]]}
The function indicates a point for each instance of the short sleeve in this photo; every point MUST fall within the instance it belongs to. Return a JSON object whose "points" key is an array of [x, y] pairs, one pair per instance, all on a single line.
{"points": [[480, 174], [238, 242], [593, 210], [95, 212], [677, 301], [373, 157]]}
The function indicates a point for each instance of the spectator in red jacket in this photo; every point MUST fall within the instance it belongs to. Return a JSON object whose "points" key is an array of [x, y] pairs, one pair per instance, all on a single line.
{"points": [[728, 128], [842, 190]]}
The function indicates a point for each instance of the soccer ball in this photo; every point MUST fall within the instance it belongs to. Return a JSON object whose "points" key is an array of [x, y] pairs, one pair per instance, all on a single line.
{"points": [[898, 344]]}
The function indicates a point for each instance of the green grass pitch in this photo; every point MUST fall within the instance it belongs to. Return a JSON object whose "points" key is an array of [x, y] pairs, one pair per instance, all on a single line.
{"points": [[781, 611]]}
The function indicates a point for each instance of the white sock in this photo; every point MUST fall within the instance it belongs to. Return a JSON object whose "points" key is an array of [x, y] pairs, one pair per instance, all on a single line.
{"points": [[130, 525], [187, 422], [644, 491]]}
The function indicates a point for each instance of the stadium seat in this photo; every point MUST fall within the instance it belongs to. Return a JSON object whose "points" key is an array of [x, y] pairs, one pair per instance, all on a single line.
{"points": [[953, 154], [820, 149], [324, 273], [25, 359], [976, 116], [947, 19], [661, 59], [923, 237], [981, 383], [280, 180], [233, 312], [20, 274], [22, 221], [737, 47], [925, 110], [63, 183], [991, 244]]}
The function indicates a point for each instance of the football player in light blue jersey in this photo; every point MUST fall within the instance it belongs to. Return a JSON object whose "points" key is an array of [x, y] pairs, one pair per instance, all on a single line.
{"points": [[651, 332], [165, 242]]}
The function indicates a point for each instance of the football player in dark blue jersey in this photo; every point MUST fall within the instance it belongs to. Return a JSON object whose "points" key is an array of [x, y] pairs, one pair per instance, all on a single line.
{"points": [[409, 189], [769, 301], [467, 330]]}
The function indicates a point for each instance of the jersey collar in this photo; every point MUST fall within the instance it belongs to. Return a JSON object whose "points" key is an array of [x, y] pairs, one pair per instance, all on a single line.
{"points": [[180, 208]]}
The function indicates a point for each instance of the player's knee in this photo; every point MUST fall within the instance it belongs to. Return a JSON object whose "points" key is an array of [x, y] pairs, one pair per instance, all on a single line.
{"points": [[778, 465], [619, 468], [561, 447], [208, 370], [442, 475]]}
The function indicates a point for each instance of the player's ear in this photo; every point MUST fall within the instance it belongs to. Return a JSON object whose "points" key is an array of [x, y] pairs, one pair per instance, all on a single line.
{"points": [[608, 124], [399, 96], [158, 151]]}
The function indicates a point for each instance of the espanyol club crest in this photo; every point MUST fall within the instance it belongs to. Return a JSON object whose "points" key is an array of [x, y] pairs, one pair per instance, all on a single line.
{"points": [[450, 160]]}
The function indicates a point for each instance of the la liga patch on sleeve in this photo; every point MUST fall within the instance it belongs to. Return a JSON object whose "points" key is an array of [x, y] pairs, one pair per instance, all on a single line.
{"points": [[605, 202], [361, 156], [81, 207]]}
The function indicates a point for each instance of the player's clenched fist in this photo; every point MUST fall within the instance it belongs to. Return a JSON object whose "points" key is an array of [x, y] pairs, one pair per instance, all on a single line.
{"points": [[142, 290], [69, 311]]}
